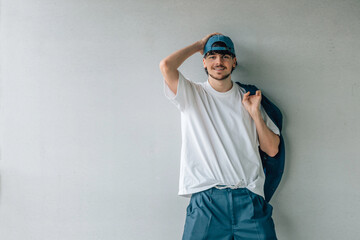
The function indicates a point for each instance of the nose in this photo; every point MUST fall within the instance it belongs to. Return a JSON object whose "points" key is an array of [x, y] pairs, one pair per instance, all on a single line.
{"points": [[219, 59]]}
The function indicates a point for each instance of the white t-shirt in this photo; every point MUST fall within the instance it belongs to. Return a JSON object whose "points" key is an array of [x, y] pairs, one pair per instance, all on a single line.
{"points": [[219, 139]]}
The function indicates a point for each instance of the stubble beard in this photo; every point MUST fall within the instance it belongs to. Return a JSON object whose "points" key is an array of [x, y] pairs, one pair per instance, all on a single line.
{"points": [[220, 79]]}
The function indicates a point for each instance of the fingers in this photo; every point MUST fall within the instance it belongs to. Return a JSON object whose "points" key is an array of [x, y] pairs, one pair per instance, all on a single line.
{"points": [[246, 96], [209, 36], [215, 33], [205, 39], [257, 93]]}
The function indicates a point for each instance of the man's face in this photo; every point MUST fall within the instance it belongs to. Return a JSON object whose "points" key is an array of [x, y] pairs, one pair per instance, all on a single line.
{"points": [[219, 66]]}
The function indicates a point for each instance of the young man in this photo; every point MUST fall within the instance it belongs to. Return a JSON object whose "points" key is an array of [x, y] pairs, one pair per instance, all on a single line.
{"points": [[222, 128]]}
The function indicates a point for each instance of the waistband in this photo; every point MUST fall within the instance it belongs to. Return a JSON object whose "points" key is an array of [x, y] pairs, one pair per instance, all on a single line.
{"points": [[215, 190], [241, 184], [220, 187]]}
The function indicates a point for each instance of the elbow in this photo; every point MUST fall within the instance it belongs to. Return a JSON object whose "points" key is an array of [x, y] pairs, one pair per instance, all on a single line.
{"points": [[270, 152], [163, 65], [274, 151]]}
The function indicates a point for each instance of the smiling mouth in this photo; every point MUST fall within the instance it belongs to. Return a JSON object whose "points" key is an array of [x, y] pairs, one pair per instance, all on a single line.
{"points": [[219, 68]]}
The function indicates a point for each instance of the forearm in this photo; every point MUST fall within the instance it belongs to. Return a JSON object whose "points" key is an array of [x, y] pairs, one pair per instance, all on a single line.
{"points": [[269, 141], [174, 60]]}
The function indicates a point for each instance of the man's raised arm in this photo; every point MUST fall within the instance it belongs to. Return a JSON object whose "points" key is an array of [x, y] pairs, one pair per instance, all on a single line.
{"points": [[170, 64]]}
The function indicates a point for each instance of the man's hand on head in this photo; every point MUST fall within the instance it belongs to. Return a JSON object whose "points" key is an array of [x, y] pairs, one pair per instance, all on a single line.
{"points": [[205, 39]]}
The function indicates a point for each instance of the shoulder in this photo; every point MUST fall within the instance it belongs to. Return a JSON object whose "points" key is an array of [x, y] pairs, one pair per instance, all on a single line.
{"points": [[247, 87], [241, 89], [198, 86]]}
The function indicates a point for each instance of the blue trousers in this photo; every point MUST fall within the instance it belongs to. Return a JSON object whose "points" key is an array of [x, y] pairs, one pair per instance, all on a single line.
{"points": [[228, 214]]}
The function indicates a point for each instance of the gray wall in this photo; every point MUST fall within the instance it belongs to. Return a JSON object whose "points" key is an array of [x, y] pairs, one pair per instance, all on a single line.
{"points": [[90, 146]]}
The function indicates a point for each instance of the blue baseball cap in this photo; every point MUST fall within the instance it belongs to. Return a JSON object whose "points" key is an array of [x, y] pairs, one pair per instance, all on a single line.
{"points": [[219, 38]]}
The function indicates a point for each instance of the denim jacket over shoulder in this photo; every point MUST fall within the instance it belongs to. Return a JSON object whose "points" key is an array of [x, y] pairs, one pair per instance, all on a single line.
{"points": [[273, 166]]}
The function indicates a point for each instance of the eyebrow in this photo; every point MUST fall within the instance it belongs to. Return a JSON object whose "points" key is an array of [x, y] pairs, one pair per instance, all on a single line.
{"points": [[226, 54]]}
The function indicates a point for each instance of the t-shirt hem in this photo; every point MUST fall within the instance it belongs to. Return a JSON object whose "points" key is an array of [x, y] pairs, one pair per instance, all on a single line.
{"points": [[188, 193]]}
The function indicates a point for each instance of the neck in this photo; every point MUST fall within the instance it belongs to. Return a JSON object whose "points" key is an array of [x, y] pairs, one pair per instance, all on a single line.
{"points": [[221, 85]]}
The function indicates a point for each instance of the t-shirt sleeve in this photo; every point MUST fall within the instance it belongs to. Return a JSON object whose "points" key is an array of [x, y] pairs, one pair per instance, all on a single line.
{"points": [[180, 99], [269, 123]]}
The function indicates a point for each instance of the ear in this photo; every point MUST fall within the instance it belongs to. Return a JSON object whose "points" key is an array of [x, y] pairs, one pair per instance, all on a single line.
{"points": [[204, 63], [235, 60]]}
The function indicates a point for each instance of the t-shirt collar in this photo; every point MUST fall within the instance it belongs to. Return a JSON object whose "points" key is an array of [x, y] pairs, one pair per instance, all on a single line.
{"points": [[212, 90]]}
